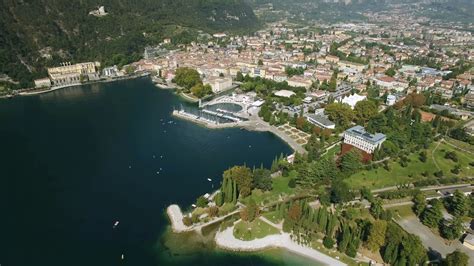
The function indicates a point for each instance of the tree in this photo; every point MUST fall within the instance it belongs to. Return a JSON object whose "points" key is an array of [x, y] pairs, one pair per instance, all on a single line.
{"points": [[415, 99], [364, 111], [419, 201], [458, 204], [260, 62], [294, 213], [242, 176], [250, 212], [340, 192], [376, 237], [351, 162], [262, 179], [239, 76], [432, 216], [376, 208], [199, 90], [341, 114], [328, 242], [187, 221], [456, 258], [201, 202], [452, 229], [213, 211], [412, 250], [333, 82], [187, 77], [390, 72]]}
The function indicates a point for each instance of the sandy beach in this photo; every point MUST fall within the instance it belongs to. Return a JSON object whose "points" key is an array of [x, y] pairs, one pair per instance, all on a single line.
{"points": [[226, 240]]}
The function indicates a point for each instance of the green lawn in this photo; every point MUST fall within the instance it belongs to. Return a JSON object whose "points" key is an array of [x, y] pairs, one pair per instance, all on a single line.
{"points": [[379, 178], [280, 184], [333, 151], [462, 145], [253, 230], [272, 216], [402, 211]]}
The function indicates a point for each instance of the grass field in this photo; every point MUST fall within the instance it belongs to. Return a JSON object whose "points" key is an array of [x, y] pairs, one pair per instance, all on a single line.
{"points": [[333, 151], [379, 178], [253, 230], [272, 216], [402, 211]]}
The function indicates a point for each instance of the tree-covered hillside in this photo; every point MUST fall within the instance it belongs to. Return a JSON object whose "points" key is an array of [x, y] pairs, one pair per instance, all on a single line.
{"points": [[38, 33]]}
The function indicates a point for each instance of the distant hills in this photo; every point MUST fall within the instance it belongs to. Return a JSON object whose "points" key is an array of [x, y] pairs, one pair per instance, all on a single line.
{"points": [[336, 10], [37, 33]]}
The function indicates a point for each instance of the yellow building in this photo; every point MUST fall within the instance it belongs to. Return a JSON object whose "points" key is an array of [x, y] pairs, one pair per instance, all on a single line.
{"points": [[71, 74]]}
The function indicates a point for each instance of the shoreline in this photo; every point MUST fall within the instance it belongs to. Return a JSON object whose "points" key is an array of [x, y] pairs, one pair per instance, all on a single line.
{"points": [[225, 240], [35, 92], [255, 125]]}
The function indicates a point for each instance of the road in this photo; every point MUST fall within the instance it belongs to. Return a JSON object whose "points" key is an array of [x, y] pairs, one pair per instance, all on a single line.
{"points": [[435, 245]]}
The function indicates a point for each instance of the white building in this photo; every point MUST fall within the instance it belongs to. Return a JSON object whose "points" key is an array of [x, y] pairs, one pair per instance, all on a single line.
{"points": [[320, 121], [362, 140], [284, 93], [42, 83], [391, 100], [219, 84], [352, 100]]}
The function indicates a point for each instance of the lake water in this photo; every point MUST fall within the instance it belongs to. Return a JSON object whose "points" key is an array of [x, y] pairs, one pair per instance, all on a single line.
{"points": [[74, 161]]}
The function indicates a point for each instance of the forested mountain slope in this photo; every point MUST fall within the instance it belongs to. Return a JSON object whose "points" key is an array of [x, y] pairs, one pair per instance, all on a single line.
{"points": [[37, 33]]}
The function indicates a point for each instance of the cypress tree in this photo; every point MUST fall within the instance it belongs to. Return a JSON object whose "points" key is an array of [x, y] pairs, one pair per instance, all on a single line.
{"points": [[234, 192]]}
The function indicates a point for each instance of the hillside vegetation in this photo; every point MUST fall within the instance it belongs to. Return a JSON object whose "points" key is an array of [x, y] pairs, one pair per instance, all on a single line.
{"points": [[39, 33]]}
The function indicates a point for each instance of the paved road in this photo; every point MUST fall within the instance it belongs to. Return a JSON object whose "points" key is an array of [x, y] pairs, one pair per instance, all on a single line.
{"points": [[434, 243]]}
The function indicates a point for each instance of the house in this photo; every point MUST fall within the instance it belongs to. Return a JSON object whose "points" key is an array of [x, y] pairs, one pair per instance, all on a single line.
{"points": [[296, 81], [320, 121], [352, 100], [357, 137], [391, 100], [219, 84], [332, 59], [469, 241], [351, 65], [386, 82], [42, 83]]}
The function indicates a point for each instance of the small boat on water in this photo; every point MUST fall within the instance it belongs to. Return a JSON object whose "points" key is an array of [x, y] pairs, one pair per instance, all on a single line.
{"points": [[194, 205], [209, 179], [116, 224]]}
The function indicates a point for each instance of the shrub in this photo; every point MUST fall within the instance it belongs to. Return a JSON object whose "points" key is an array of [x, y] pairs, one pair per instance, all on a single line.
{"points": [[328, 242], [187, 221], [292, 183], [439, 173]]}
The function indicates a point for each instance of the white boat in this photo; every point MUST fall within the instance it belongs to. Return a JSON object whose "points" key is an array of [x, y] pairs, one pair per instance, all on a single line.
{"points": [[116, 224], [209, 179], [194, 205]]}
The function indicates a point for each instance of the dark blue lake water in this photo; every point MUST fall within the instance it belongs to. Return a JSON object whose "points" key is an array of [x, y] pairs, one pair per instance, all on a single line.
{"points": [[74, 161]]}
